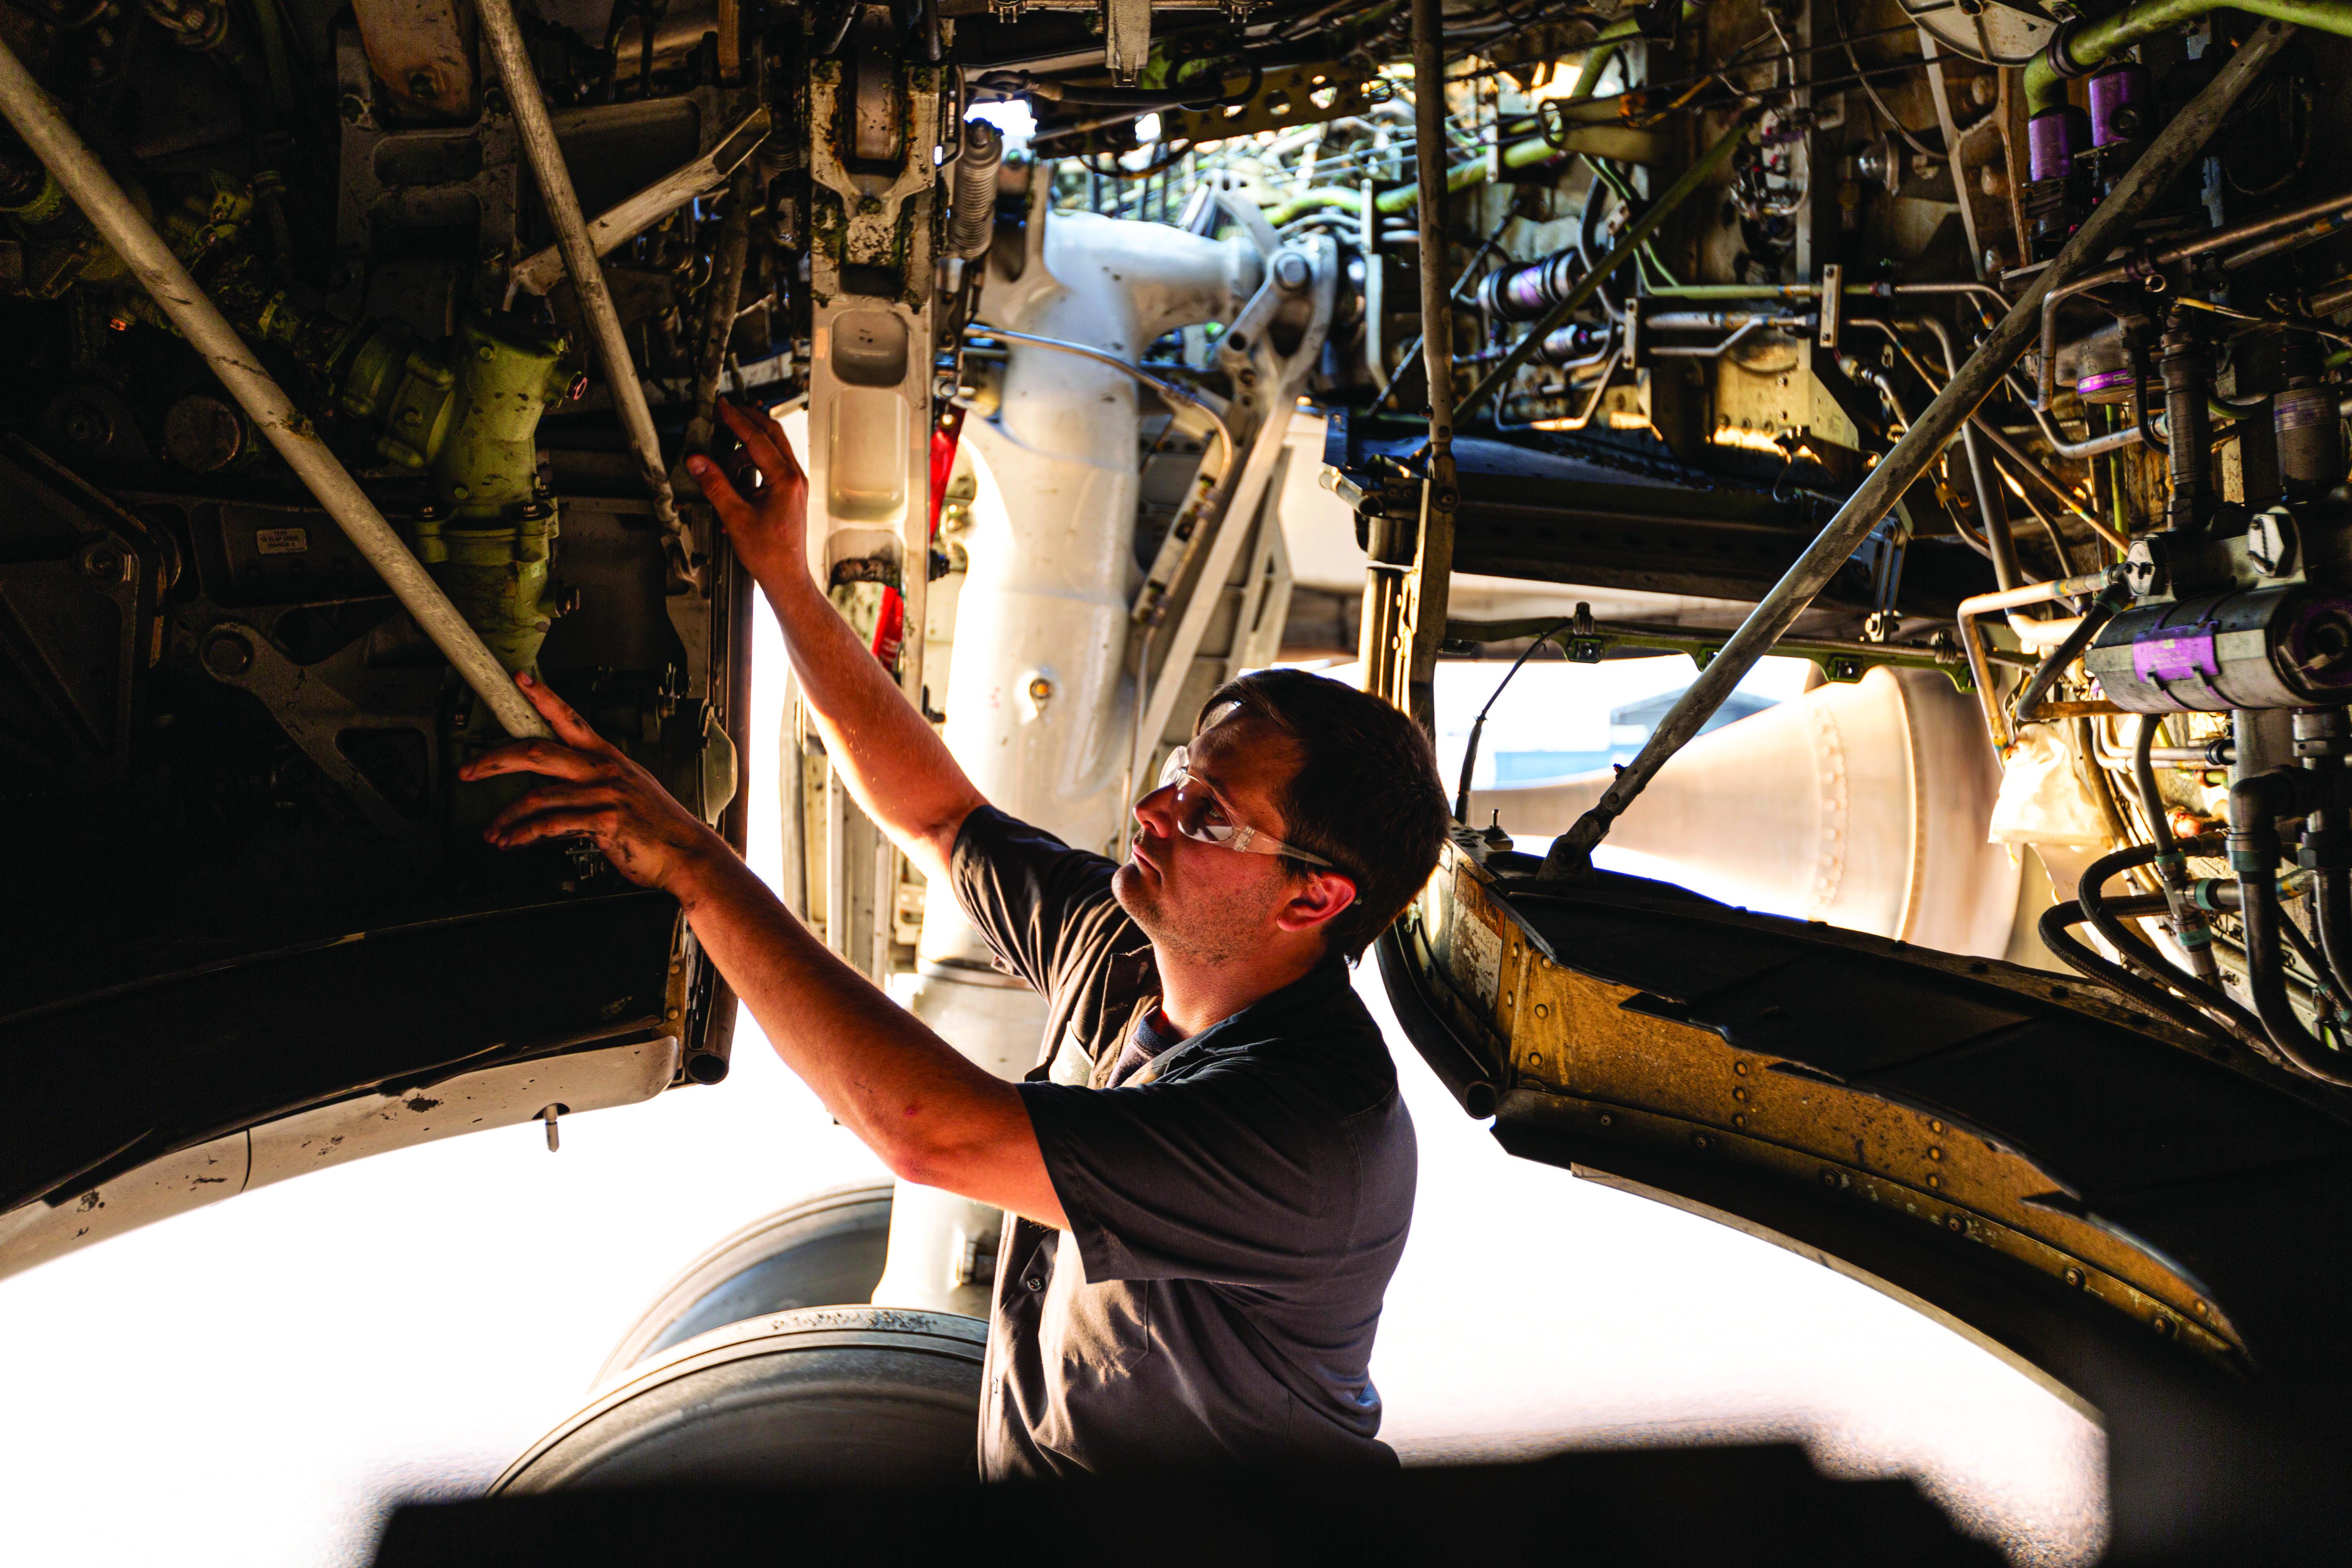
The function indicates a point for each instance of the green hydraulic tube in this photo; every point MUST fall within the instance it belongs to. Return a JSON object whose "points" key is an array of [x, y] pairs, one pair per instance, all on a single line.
{"points": [[2089, 45], [1622, 142]]}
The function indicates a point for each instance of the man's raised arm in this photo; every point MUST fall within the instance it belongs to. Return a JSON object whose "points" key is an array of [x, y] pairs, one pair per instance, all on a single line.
{"points": [[895, 764]]}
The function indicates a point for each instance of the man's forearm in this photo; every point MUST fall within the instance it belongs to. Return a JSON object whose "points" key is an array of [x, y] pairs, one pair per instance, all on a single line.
{"points": [[895, 765], [934, 1117]]}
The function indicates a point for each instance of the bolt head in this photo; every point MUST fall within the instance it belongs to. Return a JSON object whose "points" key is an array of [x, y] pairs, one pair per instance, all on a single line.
{"points": [[227, 654], [86, 425], [2270, 541], [102, 564], [2143, 567], [1291, 270]]}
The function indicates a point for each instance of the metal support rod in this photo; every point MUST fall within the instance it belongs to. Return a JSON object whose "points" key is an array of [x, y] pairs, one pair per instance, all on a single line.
{"points": [[1426, 585], [43, 125], [725, 290], [539, 144], [2109, 222]]}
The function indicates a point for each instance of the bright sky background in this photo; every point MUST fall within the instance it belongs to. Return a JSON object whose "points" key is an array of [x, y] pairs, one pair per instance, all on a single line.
{"points": [[252, 1385]]}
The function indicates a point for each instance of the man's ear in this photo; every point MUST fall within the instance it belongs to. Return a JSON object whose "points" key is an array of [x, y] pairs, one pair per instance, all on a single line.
{"points": [[1314, 900]]}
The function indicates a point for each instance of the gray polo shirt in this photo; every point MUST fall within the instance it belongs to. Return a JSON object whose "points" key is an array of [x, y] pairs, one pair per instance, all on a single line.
{"points": [[1237, 1205]]}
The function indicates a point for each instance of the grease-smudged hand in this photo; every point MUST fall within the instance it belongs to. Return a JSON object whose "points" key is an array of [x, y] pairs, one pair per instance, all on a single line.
{"points": [[769, 530], [601, 795]]}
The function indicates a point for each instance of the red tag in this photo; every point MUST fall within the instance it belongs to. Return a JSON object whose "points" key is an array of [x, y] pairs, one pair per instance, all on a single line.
{"points": [[890, 629], [944, 437]]}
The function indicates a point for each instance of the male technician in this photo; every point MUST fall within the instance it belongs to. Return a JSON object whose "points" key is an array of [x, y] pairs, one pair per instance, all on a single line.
{"points": [[1212, 1171]]}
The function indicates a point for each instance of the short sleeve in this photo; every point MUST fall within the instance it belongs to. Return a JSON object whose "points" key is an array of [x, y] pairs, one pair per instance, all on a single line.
{"points": [[1237, 1174], [1035, 899]]}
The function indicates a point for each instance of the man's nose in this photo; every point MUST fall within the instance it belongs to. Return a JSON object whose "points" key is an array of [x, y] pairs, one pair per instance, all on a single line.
{"points": [[1153, 811]]}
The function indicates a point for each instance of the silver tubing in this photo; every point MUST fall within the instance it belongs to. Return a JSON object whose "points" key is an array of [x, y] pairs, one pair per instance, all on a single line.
{"points": [[42, 125], [2180, 140]]}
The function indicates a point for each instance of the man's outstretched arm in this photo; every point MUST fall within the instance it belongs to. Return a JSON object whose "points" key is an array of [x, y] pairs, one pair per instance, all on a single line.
{"points": [[897, 767], [932, 1115]]}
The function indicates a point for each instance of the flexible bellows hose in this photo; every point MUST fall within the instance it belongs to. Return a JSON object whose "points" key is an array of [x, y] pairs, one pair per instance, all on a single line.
{"points": [[972, 220]]}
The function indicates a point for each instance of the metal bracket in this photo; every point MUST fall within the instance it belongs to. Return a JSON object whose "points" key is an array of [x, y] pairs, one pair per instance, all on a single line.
{"points": [[314, 713], [625, 220]]}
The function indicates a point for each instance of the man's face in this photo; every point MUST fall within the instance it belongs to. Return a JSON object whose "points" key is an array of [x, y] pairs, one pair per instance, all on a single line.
{"points": [[1203, 901]]}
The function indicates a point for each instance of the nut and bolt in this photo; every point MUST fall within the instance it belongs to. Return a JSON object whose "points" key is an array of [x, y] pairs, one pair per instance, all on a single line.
{"points": [[1291, 270]]}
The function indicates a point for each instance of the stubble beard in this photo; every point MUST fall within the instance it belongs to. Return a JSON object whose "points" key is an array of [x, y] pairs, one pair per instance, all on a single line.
{"points": [[1218, 934]]}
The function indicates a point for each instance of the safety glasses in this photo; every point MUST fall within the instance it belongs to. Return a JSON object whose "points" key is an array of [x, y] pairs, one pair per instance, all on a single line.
{"points": [[1202, 815]]}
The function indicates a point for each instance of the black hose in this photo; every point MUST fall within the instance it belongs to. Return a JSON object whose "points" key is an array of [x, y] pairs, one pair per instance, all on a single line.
{"points": [[2255, 804], [2326, 834], [2056, 936], [1478, 727], [2260, 911], [2045, 675], [2138, 952]]}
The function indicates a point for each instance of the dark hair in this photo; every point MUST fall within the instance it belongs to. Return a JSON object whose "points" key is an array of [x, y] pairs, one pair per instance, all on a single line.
{"points": [[1366, 797]]}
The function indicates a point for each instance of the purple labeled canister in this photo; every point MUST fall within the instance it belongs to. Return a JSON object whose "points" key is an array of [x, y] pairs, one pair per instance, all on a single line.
{"points": [[2053, 139], [2120, 97]]}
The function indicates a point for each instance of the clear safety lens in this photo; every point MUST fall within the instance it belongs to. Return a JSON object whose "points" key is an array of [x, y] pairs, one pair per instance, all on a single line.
{"points": [[1201, 816]]}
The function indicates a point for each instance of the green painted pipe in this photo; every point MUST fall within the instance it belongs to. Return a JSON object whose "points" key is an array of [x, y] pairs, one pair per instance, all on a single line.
{"points": [[1622, 142], [1605, 45], [2093, 44], [1315, 200]]}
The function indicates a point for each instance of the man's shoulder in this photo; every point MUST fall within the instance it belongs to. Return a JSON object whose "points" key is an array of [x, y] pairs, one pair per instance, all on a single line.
{"points": [[1033, 892], [1324, 1049]]}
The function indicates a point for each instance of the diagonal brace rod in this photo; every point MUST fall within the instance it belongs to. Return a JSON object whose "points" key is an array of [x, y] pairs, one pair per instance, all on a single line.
{"points": [[2108, 225]]}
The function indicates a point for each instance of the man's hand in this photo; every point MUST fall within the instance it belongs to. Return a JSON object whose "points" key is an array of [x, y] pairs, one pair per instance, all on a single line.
{"points": [[649, 837], [770, 531]]}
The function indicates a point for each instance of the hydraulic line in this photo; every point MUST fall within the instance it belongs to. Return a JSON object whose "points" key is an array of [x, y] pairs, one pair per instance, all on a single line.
{"points": [[2135, 949], [45, 128], [2255, 805], [2056, 935], [2187, 433], [2103, 609], [2138, 270], [2321, 736], [2110, 222], [2079, 48], [1694, 180], [2189, 927]]}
